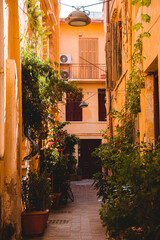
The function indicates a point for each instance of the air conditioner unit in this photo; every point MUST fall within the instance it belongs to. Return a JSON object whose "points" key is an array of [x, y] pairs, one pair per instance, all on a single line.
{"points": [[65, 58], [64, 74]]}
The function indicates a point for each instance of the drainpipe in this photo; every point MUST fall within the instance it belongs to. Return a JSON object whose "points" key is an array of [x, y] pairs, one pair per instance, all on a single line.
{"points": [[129, 36], [2, 113], [109, 91], [1, 82]]}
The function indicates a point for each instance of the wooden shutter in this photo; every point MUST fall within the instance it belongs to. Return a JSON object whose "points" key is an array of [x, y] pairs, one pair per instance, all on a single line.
{"points": [[73, 111], [114, 51], [101, 105], [109, 56], [88, 52], [119, 49], [156, 106]]}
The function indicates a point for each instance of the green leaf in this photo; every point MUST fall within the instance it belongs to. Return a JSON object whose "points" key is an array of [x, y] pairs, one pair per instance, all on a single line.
{"points": [[134, 2], [137, 26], [145, 3], [146, 34], [145, 18]]}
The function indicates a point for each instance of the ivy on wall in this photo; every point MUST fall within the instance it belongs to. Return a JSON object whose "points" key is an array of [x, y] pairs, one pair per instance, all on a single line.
{"points": [[42, 87]]}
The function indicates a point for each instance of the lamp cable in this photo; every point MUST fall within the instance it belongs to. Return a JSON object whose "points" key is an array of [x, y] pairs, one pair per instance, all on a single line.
{"points": [[79, 7]]}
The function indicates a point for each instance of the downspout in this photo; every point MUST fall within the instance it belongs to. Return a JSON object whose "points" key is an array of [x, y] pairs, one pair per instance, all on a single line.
{"points": [[129, 36], [2, 86], [109, 89], [2, 109]]}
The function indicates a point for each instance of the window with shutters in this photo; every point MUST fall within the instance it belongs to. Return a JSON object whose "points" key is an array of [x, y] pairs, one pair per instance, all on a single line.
{"points": [[73, 111], [156, 106], [114, 53], [101, 105], [88, 56]]}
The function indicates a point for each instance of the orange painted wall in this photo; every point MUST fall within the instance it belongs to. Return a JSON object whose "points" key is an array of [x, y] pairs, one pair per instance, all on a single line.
{"points": [[69, 39], [89, 127]]}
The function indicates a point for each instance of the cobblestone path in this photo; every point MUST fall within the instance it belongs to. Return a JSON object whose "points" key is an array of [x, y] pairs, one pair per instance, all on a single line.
{"points": [[78, 220]]}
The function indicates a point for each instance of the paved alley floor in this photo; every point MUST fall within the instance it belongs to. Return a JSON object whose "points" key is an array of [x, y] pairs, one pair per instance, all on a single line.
{"points": [[78, 220]]}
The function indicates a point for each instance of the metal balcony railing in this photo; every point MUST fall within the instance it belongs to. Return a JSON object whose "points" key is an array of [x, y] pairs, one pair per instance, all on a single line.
{"points": [[85, 71]]}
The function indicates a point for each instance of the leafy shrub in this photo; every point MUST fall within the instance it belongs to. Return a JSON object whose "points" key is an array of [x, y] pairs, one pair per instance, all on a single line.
{"points": [[35, 192]]}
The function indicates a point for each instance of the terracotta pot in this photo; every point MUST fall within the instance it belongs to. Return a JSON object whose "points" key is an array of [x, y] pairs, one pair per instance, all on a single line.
{"points": [[34, 223]]}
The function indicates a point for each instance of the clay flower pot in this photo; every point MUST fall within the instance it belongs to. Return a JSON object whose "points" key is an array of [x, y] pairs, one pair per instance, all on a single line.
{"points": [[34, 223]]}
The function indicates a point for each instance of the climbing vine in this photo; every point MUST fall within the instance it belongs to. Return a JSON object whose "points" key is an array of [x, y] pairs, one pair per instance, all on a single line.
{"points": [[136, 79], [42, 88], [37, 32]]}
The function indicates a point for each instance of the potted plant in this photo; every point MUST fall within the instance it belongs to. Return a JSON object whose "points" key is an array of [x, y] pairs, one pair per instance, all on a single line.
{"points": [[36, 201], [59, 160]]}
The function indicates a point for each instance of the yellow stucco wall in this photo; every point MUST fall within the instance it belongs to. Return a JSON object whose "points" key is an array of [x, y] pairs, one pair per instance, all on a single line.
{"points": [[151, 50]]}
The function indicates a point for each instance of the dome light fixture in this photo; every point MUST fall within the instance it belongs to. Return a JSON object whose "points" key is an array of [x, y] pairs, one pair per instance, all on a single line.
{"points": [[78, 19], [83, 105]]}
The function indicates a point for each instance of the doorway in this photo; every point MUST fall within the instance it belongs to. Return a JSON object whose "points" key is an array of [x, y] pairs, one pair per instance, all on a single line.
{"points": [[87, 163]]}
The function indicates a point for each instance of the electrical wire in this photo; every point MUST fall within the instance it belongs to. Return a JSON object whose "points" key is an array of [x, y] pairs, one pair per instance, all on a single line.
{"points": [[92, 64], [86, 5]]}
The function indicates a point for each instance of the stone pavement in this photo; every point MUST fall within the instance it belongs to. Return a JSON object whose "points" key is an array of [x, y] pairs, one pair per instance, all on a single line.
{"points": [[78, 220]]}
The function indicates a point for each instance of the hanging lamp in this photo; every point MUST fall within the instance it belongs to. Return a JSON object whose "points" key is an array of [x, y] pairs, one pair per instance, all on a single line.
{"points": [[77, 19]]}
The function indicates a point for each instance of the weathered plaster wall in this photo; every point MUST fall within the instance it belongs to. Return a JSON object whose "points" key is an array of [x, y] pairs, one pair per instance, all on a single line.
{"points": [[151, 50], [10, 122]]}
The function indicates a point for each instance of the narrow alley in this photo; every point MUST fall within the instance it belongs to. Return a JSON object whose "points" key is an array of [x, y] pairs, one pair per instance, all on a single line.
{"points": [[78, 220]]}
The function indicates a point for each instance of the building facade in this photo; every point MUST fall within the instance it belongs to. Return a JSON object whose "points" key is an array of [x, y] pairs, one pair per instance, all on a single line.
{"points": [[10, 121], [82, 60], [120, 17], [13, 145]]}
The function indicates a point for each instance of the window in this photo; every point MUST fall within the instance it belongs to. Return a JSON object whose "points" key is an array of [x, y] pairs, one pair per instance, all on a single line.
{"points": [[88, 55], [73, 111], [101, 105], [114, 53], [156, 105]]}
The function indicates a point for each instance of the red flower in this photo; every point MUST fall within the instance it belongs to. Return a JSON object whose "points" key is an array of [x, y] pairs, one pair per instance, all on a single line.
{"points": [[121, 143], [115, 144], [61, 149], [117, 126], [50, 144]]}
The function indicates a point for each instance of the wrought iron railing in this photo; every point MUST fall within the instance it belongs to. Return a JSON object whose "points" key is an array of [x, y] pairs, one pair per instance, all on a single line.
{"points": [[84, 71]]}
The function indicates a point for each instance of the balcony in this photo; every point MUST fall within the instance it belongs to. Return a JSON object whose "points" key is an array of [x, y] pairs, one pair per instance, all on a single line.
{"points": [[83, 71]]}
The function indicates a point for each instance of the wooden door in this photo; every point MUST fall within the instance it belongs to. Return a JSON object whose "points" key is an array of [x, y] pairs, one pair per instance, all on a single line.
{"points": [[88, 56], [87, 163]]}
